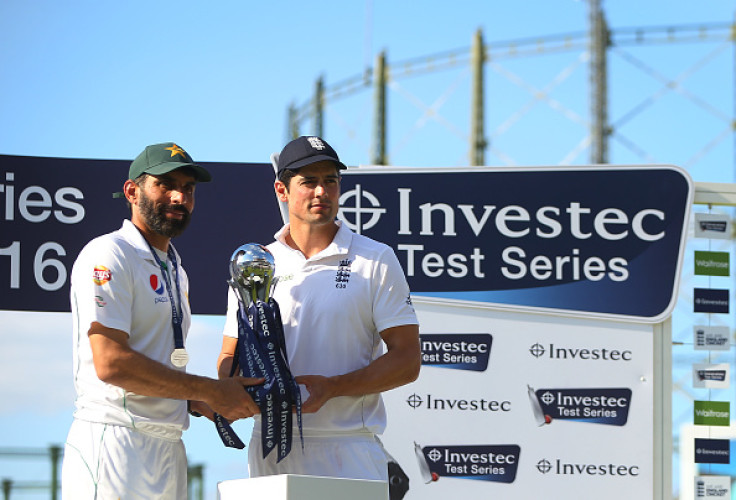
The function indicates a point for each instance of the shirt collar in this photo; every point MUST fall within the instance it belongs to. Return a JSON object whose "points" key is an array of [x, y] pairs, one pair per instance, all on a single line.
{"points": [[136, 239], [339, 246]]}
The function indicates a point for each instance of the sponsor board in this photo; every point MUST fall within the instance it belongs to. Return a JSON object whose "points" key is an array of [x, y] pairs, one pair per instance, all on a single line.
{"points": [[712, 451], [711, 338], [713, 487], [711, 263], [442, 427], [51, 207], [712, 413], [711, 376], [569, 241], [710, 300], [715, 226]]}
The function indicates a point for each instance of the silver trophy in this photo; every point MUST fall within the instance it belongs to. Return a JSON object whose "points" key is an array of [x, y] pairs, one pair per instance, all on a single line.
{"points": [[252, 271], [261, 350]]}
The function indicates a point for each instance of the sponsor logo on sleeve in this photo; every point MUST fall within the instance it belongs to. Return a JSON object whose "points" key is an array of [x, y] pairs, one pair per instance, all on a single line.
{"points": [[101, 275]]}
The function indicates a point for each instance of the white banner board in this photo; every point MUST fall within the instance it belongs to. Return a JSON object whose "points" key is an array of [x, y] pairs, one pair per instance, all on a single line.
{"points": [[519, 405]]}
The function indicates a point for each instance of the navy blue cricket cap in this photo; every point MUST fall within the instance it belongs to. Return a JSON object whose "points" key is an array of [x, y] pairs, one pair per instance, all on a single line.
{"points": [[304, 151]]}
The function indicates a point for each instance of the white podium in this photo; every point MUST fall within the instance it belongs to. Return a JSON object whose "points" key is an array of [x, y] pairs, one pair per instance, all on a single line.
{"points": [[295, 487]]}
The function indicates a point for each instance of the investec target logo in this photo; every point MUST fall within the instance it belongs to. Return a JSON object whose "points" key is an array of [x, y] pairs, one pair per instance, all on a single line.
{"points": [[561, 468], [597, 406], [362, 215], [434, 403], [557, 352], [459, 351], [496, 463]]}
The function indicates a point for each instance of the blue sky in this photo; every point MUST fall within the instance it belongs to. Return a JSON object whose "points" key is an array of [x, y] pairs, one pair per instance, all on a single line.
{"points": [[91, 79]]}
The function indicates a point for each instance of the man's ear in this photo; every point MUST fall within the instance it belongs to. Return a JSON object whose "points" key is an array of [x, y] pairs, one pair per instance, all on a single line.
{"points": [[130, 190], [281, 191]]}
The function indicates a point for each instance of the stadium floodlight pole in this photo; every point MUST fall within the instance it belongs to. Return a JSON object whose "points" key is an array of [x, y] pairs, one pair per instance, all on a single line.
{"points": [[477, 133], [379, 120], [599, 41], [319, 102], [293, 123]]}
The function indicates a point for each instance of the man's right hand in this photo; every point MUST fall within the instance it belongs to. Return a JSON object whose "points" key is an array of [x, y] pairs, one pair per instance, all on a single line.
{"points": [[230, 399]]}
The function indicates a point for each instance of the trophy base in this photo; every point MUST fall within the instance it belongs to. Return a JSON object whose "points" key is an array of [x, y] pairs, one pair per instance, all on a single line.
{"points": [[296, 487]]}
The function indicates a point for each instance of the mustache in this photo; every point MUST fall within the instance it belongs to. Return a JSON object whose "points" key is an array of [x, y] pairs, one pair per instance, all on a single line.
{"points": [[178, 208]]}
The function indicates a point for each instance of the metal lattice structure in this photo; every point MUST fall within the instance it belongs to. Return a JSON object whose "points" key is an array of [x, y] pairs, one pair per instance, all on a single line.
{"points": [[594, 48]]}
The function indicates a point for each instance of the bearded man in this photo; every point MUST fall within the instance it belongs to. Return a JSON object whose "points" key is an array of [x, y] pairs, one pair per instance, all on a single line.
{"points": [[130, 307]]}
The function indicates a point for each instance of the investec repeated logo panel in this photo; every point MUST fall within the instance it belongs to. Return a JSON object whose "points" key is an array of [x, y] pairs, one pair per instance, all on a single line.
{"points": [[608, 406], [459, 351], [570, 240]]}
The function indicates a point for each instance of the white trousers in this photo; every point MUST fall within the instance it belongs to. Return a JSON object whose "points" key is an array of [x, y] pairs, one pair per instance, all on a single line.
{"points": [[103, 461]]}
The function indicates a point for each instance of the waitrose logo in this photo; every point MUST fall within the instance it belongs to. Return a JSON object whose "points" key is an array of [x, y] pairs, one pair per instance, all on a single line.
{"points": [[712, 263], [712, 413]]}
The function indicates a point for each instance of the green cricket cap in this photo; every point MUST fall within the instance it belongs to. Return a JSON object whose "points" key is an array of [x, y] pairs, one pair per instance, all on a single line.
{"points": [[158, 159], [161, 158]]}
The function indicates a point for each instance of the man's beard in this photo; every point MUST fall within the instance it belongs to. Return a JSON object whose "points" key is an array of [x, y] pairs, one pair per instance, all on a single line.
{"points": [[155, 218]]}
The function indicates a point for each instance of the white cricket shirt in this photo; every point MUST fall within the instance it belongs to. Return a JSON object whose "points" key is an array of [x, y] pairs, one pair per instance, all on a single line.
{"points": [[116, 281]]}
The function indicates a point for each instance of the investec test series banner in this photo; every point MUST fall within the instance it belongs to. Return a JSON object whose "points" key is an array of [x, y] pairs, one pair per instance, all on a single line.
{"points": [[51, 207], [592, 241]]}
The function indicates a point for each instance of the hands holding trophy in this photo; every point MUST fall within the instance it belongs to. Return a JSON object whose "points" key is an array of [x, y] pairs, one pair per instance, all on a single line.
{"points": [[261, 350]]}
